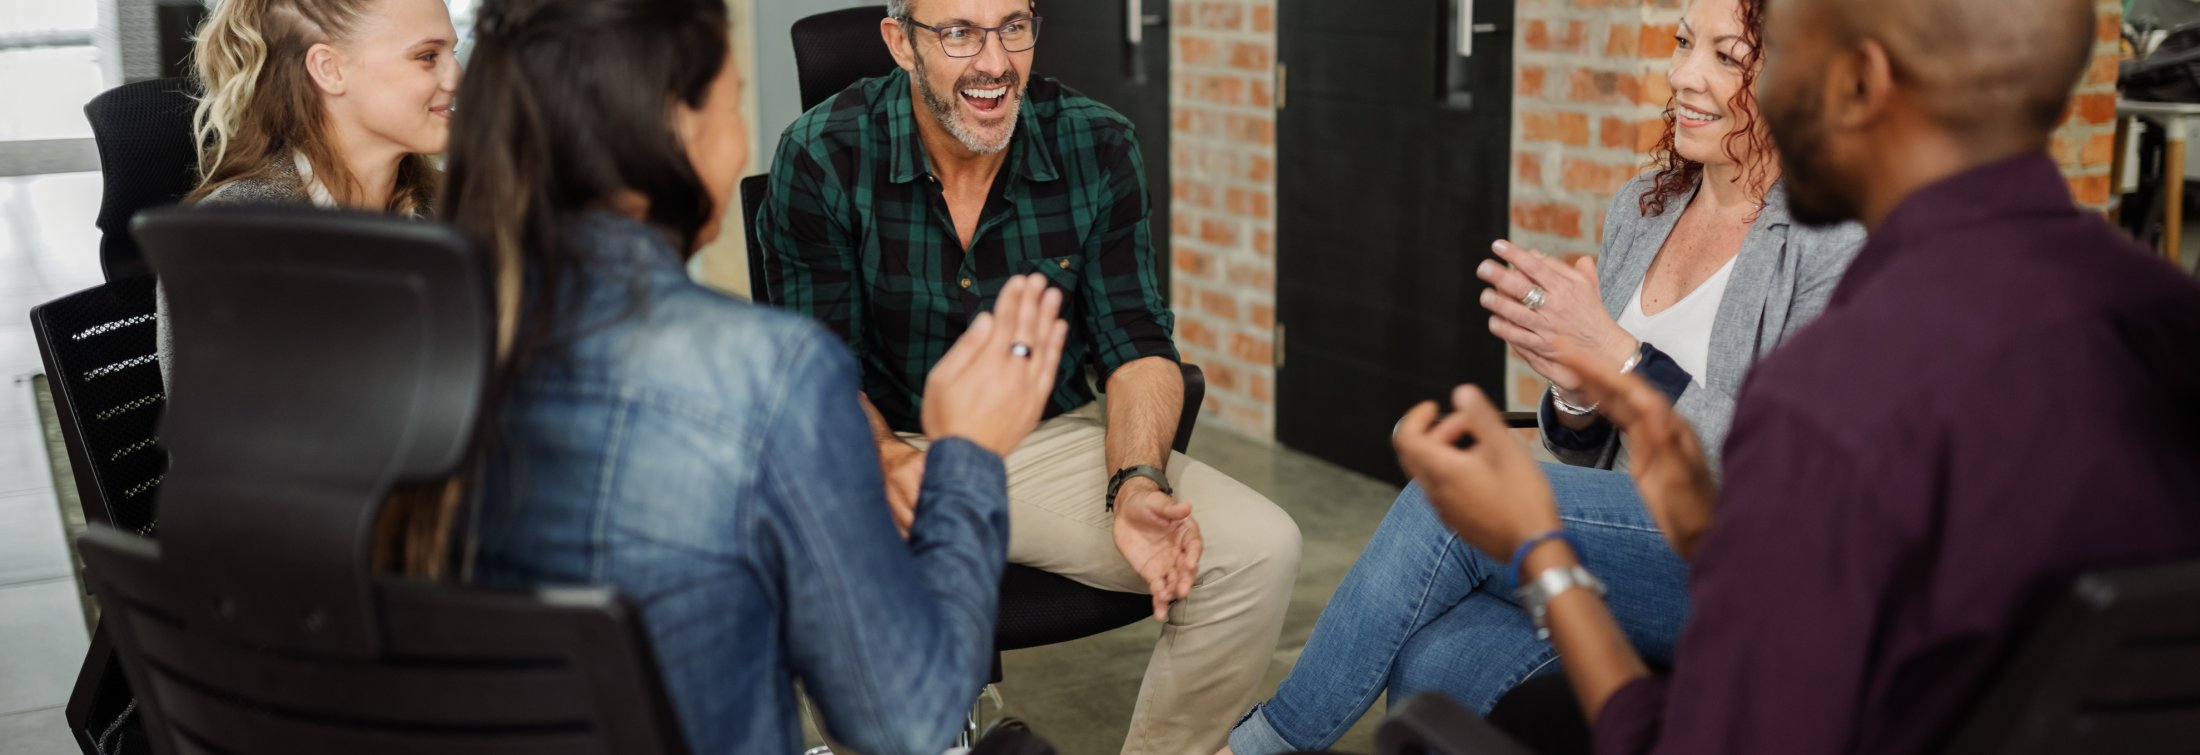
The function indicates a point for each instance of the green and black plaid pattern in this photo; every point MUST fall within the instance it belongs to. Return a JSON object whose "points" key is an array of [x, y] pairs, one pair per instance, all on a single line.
{"points": [[858, 235]]}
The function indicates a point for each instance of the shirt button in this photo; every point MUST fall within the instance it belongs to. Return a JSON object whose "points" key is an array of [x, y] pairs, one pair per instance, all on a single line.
{"points": [[1065, 263], [966, 283]]}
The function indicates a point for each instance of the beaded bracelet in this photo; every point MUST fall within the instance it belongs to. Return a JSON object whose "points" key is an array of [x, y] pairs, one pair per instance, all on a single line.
{"points": [[1520, 554]]}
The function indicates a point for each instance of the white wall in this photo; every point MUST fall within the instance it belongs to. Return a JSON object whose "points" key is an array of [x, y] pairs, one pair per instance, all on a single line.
{"points": [[773, 99]]}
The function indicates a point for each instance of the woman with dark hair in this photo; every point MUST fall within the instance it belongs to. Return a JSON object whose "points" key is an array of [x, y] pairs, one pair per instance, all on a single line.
{"points": [[705, 456], [1701, 273]]}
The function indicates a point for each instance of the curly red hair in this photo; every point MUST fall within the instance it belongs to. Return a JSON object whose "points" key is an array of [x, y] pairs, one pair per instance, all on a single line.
{"points": [[1678, 175]]}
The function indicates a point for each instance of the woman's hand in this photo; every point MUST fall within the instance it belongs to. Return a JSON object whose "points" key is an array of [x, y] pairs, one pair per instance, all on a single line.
{"points": [[994, 382], [1572, 316]]}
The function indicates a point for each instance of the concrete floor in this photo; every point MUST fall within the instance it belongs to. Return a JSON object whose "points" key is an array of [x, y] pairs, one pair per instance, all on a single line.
{"points": [[48, 248], [1078, 695]]}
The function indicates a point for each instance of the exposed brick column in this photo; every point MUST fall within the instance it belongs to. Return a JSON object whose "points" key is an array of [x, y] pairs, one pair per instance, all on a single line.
{"points": [[1589, 95], [1223, 158], [2087, 139]]}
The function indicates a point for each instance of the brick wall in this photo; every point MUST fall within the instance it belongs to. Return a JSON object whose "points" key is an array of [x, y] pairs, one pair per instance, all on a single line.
{"points": [[1588, 98], [1223, 158], [1589, 91], [2087, 139]]}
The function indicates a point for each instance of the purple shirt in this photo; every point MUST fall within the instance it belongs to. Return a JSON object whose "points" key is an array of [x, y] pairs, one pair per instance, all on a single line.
{"points": [[2003, 394]]}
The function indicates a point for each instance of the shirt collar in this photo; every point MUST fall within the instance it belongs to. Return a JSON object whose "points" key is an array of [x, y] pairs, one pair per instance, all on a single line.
{"points": [[316, 192], [1028, 152], [1775, 211], [2025, 185]]}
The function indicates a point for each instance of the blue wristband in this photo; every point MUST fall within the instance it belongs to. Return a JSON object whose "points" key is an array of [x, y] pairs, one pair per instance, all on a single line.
{"points": [[1520, 554]]}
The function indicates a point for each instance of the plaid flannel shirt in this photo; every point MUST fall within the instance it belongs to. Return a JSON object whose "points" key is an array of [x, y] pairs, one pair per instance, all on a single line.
{"points": [[857, 234]]}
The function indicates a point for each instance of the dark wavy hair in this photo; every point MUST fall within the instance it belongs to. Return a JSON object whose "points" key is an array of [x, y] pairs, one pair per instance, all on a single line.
{"points": [[563, 107], [1678, 175]]}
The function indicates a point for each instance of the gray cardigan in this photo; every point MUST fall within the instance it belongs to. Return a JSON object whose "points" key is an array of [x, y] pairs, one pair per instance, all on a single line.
{"points": [[1782, 278], [282, 185]]}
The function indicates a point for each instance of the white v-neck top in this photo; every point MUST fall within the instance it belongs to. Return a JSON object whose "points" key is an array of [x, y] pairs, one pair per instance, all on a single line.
{"points": [[1682, 331]]}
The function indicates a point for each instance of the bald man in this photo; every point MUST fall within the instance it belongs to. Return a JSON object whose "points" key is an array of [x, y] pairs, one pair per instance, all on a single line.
{"points": [[2002, 395]]}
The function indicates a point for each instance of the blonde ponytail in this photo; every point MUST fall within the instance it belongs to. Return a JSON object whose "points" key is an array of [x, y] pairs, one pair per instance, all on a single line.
{"points": [[229, 54]]}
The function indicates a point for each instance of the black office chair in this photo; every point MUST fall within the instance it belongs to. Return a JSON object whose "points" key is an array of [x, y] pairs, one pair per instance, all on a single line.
{"points": [[753, 190], [97, 345], [835, 49], [147, 158], [2113, 667], [329, 357], [98, 349]]}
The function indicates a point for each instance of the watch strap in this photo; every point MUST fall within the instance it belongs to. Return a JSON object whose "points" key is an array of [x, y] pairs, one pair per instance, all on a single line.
{"points": [[1147, 471]]}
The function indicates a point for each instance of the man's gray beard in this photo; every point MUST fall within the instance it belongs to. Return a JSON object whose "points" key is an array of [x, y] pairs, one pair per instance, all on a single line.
{"points": [[943, 111]]}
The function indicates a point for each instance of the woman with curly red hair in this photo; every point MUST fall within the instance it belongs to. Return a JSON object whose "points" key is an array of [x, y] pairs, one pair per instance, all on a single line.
{"points": [[1701, 273]]}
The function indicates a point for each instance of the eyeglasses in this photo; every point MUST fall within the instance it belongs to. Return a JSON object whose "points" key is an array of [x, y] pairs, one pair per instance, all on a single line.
{"points": [[967, 41]]}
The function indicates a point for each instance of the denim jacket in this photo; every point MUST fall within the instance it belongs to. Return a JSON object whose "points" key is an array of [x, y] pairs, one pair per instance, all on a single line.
{"points": [[709, 459]]}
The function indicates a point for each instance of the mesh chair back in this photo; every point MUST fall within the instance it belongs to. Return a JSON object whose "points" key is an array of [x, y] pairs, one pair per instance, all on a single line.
{"points": [[147, 158], [2114, 668], [327, 358], [835, 49], [100, 363]]}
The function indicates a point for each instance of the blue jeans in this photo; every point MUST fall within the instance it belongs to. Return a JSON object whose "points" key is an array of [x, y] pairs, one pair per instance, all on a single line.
{"points": [[1421, 611]]}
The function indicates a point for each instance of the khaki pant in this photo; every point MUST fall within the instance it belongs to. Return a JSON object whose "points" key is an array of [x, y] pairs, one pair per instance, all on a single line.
{"points": [[1212, 652]]}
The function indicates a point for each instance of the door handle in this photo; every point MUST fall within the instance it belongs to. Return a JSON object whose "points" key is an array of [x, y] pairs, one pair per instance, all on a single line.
{"points": [[1468, 28], [1134, 40]]}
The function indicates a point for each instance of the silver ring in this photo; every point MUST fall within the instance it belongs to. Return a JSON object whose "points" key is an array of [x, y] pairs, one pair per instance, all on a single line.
{"points": [[1020, 350], [1534, 300]]}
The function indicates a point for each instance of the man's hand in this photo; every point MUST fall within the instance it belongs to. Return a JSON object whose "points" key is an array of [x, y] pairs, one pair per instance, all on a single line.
{"points": [[1665, 458], [1157, 535], [904, 468], [1491, 493]]}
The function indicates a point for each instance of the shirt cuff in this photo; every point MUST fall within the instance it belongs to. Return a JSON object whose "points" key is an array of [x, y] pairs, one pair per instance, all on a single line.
{"points": [[1631, 717], [958, 464], [1108, 360], [1663, 372], [1591, 438]]}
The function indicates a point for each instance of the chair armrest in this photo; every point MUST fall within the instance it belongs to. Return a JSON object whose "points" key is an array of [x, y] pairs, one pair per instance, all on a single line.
{"points": [[1521, 420], [1433, 723], [1195, 393]]}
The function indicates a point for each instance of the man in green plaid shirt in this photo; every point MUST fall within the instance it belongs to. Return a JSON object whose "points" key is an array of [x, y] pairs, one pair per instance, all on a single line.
{"points": [[897, 211]]}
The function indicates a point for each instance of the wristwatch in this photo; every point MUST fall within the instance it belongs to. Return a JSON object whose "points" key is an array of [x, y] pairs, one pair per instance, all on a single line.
{"points": [[1147, 471], [1536, 595]]}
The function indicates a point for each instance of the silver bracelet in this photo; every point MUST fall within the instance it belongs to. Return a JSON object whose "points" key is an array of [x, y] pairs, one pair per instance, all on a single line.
{"points": [[1559, 402], [1536, 595], [1628, 367]]}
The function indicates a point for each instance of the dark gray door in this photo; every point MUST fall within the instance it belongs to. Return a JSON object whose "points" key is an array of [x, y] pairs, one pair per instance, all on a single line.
{"points": [[1393, 154], [1117, 52]]}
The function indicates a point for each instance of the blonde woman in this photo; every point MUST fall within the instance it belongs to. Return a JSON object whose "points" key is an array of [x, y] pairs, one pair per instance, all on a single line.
{"points": [[336, 103]]}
